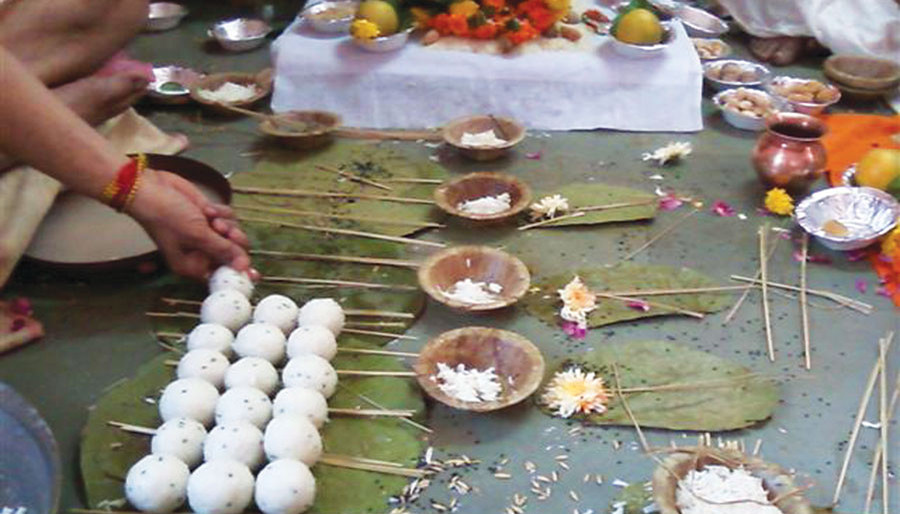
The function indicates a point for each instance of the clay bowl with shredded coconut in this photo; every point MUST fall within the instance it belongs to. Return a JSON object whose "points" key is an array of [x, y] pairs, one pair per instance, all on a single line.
{"points": [[261, 84], [516, 361], [777, 482], [474, 278], [484, 197], [462, 133]]}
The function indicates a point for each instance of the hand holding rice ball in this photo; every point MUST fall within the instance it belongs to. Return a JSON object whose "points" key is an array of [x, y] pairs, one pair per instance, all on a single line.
{"points": [[278, 310], [227, 278], [190, 398], [204, 364], [303, 402], [220, 487], [322, 311], [285, 487], [252, 372], [260, 340], [228, 308], [244, 404], [292, 437], [157, 484], [240, 441], [312, 372], [315, 339], [212, 337], [181, 438]]}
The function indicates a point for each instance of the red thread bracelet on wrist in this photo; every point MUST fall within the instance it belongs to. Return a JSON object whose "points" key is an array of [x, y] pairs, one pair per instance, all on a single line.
{"points": [[121, 190]]}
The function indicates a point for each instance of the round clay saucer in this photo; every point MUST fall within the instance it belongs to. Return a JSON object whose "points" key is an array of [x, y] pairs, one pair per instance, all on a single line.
{"points": [[510, 130], [442, 270], [262, 81], [516, 360], [449, 195], [317, 128]]}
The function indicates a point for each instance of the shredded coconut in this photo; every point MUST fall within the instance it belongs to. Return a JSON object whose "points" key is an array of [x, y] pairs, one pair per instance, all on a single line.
{"points": [[486, 139], [228, 92], [468, 385], [486, 204], [721, 490], [469, 291]]}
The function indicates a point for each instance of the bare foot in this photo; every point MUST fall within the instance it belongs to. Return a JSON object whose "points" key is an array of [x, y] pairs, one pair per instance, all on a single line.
{"points": [[98, 98], [779, 51]]}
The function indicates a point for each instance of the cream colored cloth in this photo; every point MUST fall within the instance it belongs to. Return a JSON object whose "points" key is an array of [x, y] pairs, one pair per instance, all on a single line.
{"points": [[864, 27], [26, 194]]}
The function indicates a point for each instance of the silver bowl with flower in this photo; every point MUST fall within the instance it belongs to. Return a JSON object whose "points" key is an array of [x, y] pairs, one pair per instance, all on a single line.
{"points": [[385, 43], [848, 218], [240, 34], [699, 23], [172, 84], [164, 16], [645, 51], [331, 16]]}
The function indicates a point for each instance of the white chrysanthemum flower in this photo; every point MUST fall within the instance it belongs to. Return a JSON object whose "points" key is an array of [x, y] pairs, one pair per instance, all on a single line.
{"points": [[549, 206], [578, 301], [575, 392], [671, 152]]}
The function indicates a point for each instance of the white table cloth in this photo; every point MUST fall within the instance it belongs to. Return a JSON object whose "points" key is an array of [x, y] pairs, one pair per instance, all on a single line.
{"points": [[418, 86]]}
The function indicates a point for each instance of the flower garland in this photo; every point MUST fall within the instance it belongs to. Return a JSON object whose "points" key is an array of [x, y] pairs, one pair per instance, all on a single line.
{"points": [[887, 266], [513, 21]]}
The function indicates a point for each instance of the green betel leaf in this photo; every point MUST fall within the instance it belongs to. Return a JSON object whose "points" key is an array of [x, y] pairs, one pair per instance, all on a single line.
{"points": [[544, 302], [717, 394], [590, 195]]}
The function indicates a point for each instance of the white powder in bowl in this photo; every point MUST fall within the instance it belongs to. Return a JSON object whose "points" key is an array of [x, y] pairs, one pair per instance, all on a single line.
{"points": [[486, 139], [486, 204], [468, 384], [721, 490], [229, 92], [471, 292]]}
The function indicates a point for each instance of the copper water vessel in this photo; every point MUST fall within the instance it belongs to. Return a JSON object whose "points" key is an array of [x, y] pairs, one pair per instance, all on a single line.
{"points": [[789, 154]]}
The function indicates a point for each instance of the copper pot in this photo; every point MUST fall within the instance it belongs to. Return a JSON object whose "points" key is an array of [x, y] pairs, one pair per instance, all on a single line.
{"points": [[789, 154]]}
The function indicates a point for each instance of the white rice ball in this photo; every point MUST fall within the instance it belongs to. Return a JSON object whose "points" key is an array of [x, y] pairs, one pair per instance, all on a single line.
{"points": [[314, 339], [278, 310], [312, 372], [220, 487], [285, 487], [181, 438], [240, 441], [293, 437], [228, 308], [322, 311], [204, 364], [211, 336], [157, 483], [191, 398], [303, 402], [227, 278], [244, 404], [252, 372], [260, 340]]}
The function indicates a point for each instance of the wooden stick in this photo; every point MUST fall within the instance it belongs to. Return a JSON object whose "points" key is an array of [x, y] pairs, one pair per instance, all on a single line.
{"points": [[375, 261], [850, 303], [581, 211], [410, 180], [658, 305], [372, 412], [248, 112], [336, 283], [177, 335], [690, 290], [303, 193], [344, 231], [379, 314], [179, 301], [764, 276], [374, 373], [551, 220], [379, 334], [170, 348], [660, 234], [857, 424], [375, 324], [694, 385], [350, 463], [327, 215], [879, 448], [353, 176], [134, 429], [804, 310], [399, 135], [883, 417], [641, 438], [367, 351], [379, 406], [499, 127], [743, 297], [172, 314]]}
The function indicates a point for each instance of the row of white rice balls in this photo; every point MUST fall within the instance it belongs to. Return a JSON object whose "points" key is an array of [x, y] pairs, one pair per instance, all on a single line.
{"points": [[224, 484]]}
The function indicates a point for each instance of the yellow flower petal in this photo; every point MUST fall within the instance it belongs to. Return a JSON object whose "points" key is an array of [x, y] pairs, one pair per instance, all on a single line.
{"points": [[778, 201]]}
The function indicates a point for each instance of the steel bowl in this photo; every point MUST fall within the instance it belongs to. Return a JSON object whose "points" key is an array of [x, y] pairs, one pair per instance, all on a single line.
{"points": [[331, 17], [172, 84], [645, 51], [739, 120], [810, 108], [724, 52], [866, 213], [699, 23], [164, 16], [384, 43], [762, 74], [240, 34]]}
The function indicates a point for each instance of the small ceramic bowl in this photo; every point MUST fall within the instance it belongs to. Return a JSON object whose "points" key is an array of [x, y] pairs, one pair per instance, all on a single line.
{"points": [[738, 119], [240, 34], [644, 51], [440, 272], [810, 108], [286, 128], [699, 23], [262, 81], [517, 362], [861, 72], [450, 195], [761, 73], [507, 129], [164, 16], [848, 218], [713, 49], [384, 43], [331, 17], [172, 84]]}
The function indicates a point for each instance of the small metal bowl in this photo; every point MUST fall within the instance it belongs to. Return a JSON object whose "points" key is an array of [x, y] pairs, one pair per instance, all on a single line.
{"points": [[240, 34], [331, 17], [172, 84], [164, 16], [810, 108], [724, 50], [866, 213], [699, 23], [762, 74], [644, 51], [384, 43], [740, 120]]}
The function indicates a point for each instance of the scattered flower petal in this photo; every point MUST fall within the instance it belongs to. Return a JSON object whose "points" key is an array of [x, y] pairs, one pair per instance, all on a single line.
{"points": [[638, 305], [656, 177], [573, 329], [671, 152], [858, 255], [549, 206], [742, 216], [534, 156], [861, 285], [815, 259], [721, 208], [670, 202]]}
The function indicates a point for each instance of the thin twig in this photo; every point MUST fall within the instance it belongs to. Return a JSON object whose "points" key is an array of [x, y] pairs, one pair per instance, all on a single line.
{"points": [[850, 303], [353, 176], [337, 283], [804, 310], [172, 314], [691, 290], [694, 385], [658, 305], [372, 412], [879, 449], [302, 193], [316, 214], [375, 324], [176, 335], [368, 351], [744, 296], [375, 261], [134, 429], [413, 180], [379, 406], [764, 276], [551, 220], [367, 313], [374, 373], [343, 231], [349, 462], [883, 417], [640, 433], [660, 234], [379, 334], [581, 211], [179, 301]]}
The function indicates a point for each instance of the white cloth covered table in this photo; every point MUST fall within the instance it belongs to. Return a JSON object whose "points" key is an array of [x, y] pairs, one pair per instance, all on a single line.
{"points": [[418, 86]]}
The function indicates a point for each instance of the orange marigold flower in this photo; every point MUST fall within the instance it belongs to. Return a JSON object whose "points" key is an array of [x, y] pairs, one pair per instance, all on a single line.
{"points": [[465, 8], [525, 32], [459, 25], [441, 23], [497, 5], [486, 31]]}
